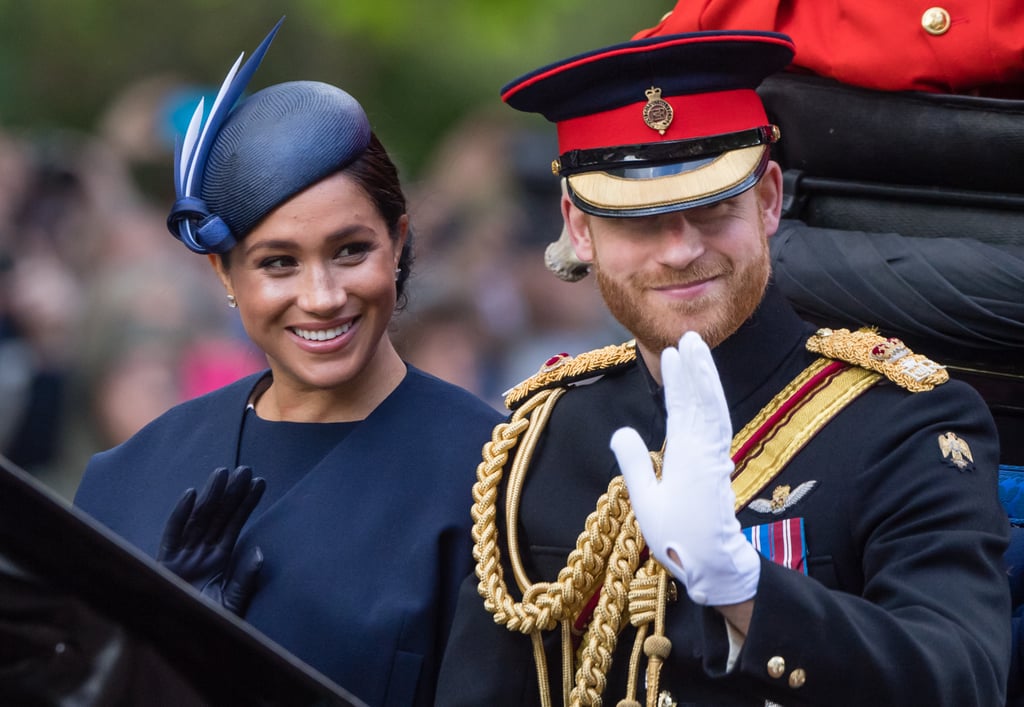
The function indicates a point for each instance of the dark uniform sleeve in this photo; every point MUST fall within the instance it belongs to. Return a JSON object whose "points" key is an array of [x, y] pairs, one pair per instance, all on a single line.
{"points": [[485, 664], [930, 624]]}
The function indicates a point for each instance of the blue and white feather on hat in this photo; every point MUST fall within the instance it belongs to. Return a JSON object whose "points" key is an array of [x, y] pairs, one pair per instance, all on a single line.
{"points": [[246, 159]]}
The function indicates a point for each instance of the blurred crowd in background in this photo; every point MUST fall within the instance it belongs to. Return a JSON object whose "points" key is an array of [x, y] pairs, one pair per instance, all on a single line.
{"points": [[106, 320]]}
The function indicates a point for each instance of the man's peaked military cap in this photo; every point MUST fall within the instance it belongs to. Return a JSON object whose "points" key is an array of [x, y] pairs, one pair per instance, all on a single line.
{"points": [[659, 124]]}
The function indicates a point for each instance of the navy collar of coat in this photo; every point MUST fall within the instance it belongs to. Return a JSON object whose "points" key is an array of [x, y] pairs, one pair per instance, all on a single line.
{"points": [[760, 347]]}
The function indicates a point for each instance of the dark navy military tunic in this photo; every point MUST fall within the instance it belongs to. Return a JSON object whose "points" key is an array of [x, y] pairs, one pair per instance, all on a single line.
{"points": [[365, 526], [905, 601]]}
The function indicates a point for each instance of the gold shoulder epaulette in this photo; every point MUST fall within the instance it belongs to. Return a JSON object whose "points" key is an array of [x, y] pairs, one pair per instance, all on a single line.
{"points": [[563, 368], [890, 357]]}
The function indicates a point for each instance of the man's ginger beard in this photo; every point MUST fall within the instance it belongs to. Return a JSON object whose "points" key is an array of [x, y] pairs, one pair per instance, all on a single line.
{"points": [[715, 316]]}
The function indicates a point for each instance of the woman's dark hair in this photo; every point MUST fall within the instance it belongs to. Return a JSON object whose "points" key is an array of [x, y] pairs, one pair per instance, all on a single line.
{"points": [[377, 175]]}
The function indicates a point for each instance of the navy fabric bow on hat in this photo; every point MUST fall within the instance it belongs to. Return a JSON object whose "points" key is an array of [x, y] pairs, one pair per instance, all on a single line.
{"points": [[190, 220]]}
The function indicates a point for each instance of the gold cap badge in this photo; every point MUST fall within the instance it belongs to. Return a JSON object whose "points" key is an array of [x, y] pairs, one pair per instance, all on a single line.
{"points": [[657, 112]]}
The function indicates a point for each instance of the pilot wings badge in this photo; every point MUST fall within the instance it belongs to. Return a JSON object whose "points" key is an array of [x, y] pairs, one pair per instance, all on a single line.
{"points": [[783, 498], [956, 451]]}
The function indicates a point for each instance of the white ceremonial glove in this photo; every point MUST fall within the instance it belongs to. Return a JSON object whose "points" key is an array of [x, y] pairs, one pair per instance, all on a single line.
{"points": [[690, 509]]}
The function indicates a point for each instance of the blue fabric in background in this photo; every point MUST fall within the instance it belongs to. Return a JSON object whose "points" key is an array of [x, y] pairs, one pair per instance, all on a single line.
{"points": [[1011, 495], [1011, 492]]}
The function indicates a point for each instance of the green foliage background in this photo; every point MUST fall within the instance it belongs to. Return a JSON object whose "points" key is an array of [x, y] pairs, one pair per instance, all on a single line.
{"points": [[416, 65]]}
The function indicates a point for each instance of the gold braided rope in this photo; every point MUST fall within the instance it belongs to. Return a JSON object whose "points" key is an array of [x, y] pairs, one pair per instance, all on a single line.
{"points": [[643, 593], [545, 604], [634, 668], [517, 478], [609, 614], [657, 647], [608, 550], [526, 616], [570, 366]]}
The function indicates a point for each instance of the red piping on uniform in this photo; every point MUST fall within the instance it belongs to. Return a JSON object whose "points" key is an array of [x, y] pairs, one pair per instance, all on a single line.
{"points": [[784, 409]]}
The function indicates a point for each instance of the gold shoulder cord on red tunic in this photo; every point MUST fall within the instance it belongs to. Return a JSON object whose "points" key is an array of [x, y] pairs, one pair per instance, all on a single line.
{"points": [[608, 580]]}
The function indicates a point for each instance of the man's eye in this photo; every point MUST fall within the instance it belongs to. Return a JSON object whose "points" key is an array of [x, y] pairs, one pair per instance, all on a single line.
{"points": [[714, 206]]}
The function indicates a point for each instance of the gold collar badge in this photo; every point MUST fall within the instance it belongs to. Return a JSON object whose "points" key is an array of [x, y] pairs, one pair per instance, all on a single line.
{"points": [[657, 112], [955, 450]]}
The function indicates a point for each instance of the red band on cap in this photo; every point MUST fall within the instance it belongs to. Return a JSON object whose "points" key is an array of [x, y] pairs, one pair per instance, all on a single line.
{"points": [[699, 115]]}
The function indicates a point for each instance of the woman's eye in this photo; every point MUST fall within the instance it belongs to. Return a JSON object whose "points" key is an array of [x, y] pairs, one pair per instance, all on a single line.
{"points": [[277, 262], [353, 250]]}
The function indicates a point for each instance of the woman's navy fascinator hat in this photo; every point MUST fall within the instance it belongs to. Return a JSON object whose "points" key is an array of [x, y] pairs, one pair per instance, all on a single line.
{"points": [[244, 160]]}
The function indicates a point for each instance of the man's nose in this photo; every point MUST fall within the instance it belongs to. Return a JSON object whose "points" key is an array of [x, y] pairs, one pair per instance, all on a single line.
{"points": [[679, 241]]}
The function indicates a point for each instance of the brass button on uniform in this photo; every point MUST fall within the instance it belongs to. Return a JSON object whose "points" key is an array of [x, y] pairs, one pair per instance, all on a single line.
{"points": [[776, 666], [797, 678], [935, 21]]}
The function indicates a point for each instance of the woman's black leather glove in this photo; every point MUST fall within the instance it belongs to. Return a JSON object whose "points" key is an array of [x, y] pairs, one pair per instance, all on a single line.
{"points": [[199, 539]]}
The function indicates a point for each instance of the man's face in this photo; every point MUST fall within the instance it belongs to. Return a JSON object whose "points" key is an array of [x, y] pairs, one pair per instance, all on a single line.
{"points": [[703, 269]]}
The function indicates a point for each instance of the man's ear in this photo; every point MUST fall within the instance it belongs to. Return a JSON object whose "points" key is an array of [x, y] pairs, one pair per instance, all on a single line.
{"points": [[577, 227], [769, 196]]}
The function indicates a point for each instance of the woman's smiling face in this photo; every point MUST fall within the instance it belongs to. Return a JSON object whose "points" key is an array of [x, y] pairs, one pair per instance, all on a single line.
{"points": [[315, 284]]}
